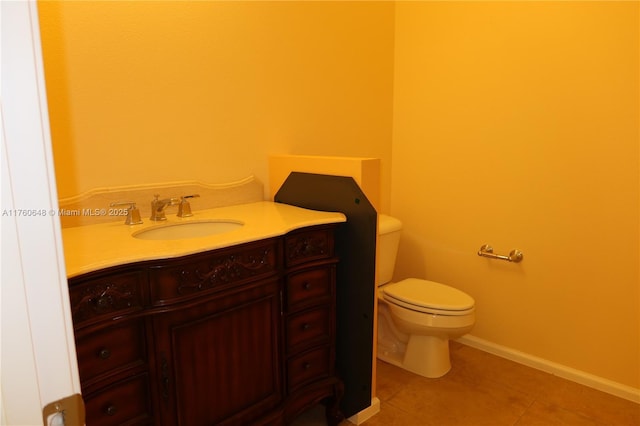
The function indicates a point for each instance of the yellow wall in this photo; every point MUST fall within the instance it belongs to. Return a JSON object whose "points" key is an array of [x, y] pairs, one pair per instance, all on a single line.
{"points": [[145, 92], [516, 124]]}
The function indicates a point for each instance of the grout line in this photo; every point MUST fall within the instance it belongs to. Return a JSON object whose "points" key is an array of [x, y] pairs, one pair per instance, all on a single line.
{"points": [[535, 399]]}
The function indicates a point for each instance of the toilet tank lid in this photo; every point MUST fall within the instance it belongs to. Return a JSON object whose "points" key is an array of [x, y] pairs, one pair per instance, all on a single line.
{"points": [[387, 224]]}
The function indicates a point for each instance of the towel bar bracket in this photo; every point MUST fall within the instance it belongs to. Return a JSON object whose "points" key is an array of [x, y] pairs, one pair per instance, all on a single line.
{"points": [[514, 256]]}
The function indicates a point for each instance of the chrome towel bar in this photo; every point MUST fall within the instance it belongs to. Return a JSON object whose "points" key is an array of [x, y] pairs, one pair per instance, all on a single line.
{"points": [[515, 255]]}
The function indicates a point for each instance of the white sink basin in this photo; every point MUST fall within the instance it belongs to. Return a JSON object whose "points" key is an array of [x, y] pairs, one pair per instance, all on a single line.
{"points": [[180, 231]]}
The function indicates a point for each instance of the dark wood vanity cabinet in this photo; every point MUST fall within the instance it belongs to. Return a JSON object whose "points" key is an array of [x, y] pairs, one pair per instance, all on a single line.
{"points": [[112, 346], [309, 322], [238, 336]]}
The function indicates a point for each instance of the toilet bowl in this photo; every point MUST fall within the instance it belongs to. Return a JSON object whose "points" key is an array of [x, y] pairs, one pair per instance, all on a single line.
{"points": [[416, 318]]}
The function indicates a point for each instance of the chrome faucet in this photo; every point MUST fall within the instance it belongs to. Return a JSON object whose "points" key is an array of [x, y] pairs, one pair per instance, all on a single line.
{"points": [[158, 206], [133, 214], [184, 209]]}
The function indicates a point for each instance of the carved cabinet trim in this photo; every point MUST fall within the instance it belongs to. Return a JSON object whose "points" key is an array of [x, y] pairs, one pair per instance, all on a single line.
{"points": [[198, 275], [142, 327]]}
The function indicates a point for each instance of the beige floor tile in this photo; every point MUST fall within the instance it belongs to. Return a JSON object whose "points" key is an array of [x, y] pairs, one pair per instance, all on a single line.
{"points": [[392, 416], [475, 366], [447, 401], [483, 389], [391, 379], [548, 415], [599, 406]]}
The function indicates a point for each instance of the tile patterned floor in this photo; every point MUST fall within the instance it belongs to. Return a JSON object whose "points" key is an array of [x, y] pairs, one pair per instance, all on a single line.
{"points": [[483, 389]]}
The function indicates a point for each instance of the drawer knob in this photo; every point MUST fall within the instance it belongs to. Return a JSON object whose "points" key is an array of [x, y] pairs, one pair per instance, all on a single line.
{"points": [[306, 365], [306, 326], [307, 285], [111, 410], [102, 302], [104, 353]]}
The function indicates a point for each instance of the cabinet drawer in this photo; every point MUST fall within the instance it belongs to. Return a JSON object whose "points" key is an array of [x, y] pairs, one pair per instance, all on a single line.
{"points": [[309, 287], [126, 403], [308, 367], [111, 349], [308, 245], [106, 297], [308, 328], [210, 272]]}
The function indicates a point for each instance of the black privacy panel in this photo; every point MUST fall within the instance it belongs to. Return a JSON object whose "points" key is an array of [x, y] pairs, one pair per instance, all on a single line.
{"points": [[356, 247]]}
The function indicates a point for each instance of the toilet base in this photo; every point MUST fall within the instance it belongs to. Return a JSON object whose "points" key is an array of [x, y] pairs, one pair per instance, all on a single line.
{"points": [[432, 348], [414, 357], [425, 355]]}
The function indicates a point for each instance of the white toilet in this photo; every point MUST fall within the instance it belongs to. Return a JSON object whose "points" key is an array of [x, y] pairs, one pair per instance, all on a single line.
{"points": [[416, 318]]}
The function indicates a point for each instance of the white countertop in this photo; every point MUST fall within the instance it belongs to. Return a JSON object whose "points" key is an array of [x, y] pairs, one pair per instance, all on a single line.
{"points": [[93, 247]]}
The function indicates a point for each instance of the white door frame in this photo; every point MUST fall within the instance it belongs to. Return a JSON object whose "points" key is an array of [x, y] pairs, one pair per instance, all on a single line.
{"points": [[38, 356]]}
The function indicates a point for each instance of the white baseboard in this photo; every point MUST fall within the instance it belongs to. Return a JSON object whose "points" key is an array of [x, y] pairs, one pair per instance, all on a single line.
{"points": [[367, 413], [586, 379]]}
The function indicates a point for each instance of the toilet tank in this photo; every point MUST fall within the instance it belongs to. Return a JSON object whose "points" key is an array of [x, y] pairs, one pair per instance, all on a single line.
{"points": [[388, 240]]}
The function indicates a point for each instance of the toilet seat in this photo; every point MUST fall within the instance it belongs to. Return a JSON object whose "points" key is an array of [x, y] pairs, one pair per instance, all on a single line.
{"points": [[429, 297]]}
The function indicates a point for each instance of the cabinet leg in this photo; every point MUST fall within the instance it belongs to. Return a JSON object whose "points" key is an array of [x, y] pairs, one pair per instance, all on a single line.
{"points": [[332, 410]]}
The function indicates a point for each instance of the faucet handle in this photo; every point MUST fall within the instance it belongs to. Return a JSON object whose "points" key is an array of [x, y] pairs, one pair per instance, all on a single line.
{"points": [[184, 209], [158, 206], [133, 213]]}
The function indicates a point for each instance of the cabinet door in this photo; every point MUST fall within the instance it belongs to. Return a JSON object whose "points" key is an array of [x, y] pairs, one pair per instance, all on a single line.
{"points": [[219, 361]]}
